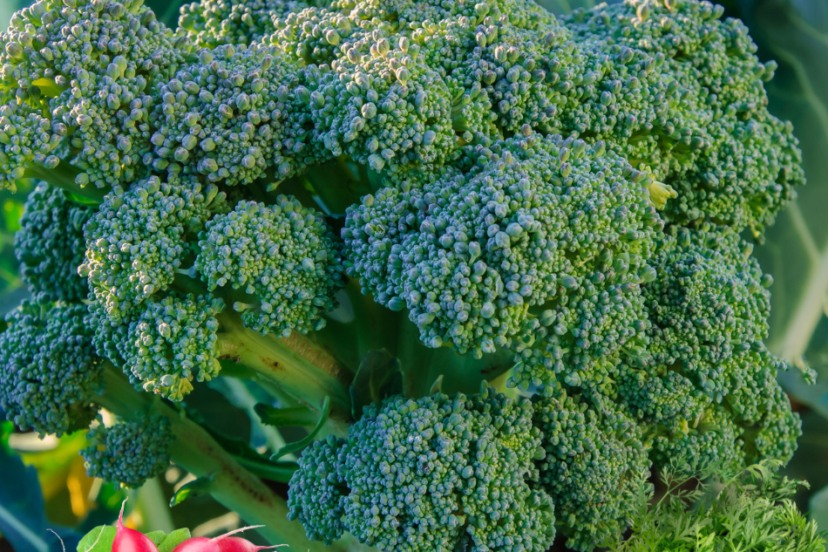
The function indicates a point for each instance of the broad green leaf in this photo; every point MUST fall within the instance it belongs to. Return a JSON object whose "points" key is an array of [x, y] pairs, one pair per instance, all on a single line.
{"points": [[22, 518], [795, 34], [818, 506]]}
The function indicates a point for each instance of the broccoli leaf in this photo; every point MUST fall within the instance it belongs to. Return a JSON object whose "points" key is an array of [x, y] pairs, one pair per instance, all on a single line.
{"points": [[796, 248]]}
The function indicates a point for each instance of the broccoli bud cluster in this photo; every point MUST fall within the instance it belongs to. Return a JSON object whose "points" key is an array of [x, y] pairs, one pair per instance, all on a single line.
{"points": [[129, 453], [440, 473]]}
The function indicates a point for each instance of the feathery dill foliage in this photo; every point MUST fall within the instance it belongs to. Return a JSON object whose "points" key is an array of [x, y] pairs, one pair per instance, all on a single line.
{"points": [[720, 509]]}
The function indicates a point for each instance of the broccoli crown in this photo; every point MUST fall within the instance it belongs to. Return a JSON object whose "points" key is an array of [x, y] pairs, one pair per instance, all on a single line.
{"points": [[282, 257], [440, 473], [48, 369], [595, 464], [50, 245], [137, 240], [470, 254], [170, 343], [129, 453], [77, 79]]}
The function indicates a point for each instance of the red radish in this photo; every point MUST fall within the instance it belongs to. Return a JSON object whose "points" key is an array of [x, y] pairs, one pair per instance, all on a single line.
{"points": [[223, 543], [197, 544], [130, 540]]}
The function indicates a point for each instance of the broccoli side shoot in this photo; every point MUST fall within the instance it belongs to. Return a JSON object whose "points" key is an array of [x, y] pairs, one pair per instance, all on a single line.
{"points": [[129, 453]]}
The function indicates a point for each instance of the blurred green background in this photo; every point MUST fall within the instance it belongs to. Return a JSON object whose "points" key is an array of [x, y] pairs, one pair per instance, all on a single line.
{"points": [[44, 482]]}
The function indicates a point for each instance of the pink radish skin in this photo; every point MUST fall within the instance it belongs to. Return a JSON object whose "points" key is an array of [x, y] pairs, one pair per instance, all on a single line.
{"points": [[130, 540], [238, 544], [223, 543], [197, 544]]}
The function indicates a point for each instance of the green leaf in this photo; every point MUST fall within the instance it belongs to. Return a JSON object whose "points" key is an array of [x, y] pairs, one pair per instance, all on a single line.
{"points": [[302, 443], [197, 487], [795, 34], [819, 508], [167, 543], [99, 539], [281, 417], [379, 376]]}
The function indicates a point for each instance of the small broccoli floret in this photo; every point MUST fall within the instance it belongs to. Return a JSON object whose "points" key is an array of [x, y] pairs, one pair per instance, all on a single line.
{"points": [[170, 343], [315, 35], [774, 436], [470, 254], [211, 23], [59, 107], [595, 464], [232, 116], [712, 439], [282, 257], [137, 240], [412, 13], [48, 369], [707, 307], [440, 473], [730, 161], [383, 106], [129, 453], [317, 490], [50, 245]]}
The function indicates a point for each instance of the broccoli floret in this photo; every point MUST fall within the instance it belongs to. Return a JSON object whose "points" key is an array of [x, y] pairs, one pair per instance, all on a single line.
{"points": [[731, 161], [318, 488], [315, 35], [282, 257], [48, 369], [595, 464], [211, 23], [137, 240], [470, 254], [66, 117], [711, 439], [412, 13], [50, 245], [381, 105], [171, 343], [440, 473], [129, 453], [707, 307], [233, 115]]}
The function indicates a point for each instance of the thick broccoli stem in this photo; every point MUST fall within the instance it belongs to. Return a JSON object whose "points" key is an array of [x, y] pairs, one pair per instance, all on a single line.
{"points": [[300, 367], [63, 177], [197, 452]]}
